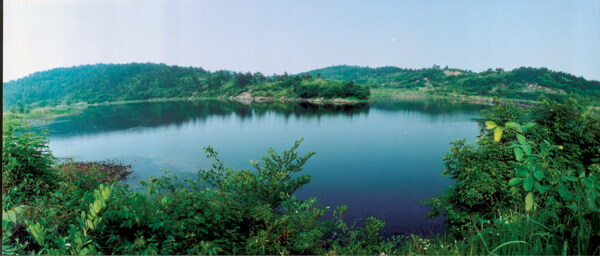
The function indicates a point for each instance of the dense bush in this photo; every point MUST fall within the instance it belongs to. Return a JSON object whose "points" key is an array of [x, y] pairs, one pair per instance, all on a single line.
{"points": [[329, 90], [550, 162], [216, 211], [26, 164]]}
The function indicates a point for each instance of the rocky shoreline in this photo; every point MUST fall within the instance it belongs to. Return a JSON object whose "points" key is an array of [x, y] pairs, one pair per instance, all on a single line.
{"points": [[104, 171], [246, 97]]}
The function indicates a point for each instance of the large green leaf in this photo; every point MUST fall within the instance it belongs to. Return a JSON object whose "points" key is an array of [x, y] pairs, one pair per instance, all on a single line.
{"points": [[514, 126], [528, 182], [529, 201], [518, 153], [521, 139], [562, 190], [539, 175], [497, 134], [515, 181], [527, 149], [522, 171], [490, 125]]}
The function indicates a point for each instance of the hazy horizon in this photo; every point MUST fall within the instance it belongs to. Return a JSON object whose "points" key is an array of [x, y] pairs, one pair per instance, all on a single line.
{"points": [[288, 36]]}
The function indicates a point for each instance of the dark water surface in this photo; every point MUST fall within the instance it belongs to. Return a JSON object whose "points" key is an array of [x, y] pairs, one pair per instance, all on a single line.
{"points": [[380, 159]]}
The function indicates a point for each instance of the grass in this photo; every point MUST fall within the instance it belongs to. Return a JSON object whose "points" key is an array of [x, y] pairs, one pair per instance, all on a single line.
{"points": [[45, 112], [412, 93]]}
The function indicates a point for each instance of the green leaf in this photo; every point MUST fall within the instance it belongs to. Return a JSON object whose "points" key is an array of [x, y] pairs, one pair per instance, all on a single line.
{"points": [[528, 125], [588, 182], [544, 145], [527, 149], [514, 126], [529, 201], [571, 178], [590, 202], [490, 125], [562, 190], [90, 224], [541, 189], [521, 171], [574, 207], [518, 153], [515, 181], [539, 175], [497, 134], [521, 139], [12, 216], [528, 182]]}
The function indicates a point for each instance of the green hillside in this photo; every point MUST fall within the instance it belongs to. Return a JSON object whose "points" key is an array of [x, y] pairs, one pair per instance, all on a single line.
{"points": [[520, 83], [142, 81]]}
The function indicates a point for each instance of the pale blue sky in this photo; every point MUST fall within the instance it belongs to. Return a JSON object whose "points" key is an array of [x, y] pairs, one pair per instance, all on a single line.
{"points": [[295, 36]]}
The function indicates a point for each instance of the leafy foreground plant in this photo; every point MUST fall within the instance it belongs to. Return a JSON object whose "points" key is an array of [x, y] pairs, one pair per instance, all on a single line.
{"points": [[217, 211], [536, 196]]}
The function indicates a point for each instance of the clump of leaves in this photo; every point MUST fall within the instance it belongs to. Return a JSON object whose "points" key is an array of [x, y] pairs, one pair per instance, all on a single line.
{"points": [[26, 164], [568, 198], [483, 171]]}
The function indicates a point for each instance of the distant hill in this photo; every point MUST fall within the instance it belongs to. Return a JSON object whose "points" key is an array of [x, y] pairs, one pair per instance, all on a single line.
{"points": [[521, 83], [103, 82], [141, 81]]}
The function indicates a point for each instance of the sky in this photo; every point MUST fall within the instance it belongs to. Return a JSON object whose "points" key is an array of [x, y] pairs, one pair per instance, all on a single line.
{"points": [[276, 36]]}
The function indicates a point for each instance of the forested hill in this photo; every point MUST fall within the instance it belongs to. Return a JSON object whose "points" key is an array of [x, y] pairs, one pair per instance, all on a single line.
{"points": [[141, 81], [522, 83]]}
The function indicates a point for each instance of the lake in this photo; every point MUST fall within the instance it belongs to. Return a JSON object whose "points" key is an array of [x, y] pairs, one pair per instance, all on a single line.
{"points": [[380, 158]]}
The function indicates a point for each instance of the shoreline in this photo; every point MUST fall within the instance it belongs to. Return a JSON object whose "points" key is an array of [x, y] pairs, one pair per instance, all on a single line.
{"points": [[48, 113]]}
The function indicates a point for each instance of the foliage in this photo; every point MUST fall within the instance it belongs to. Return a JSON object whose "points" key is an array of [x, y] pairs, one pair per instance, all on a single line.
{"points": [[480, 172], [529, 169], [569, 199], [520, 83], [215, 211], [26, 163], [328, 90], [530, 185], [143, 81]]}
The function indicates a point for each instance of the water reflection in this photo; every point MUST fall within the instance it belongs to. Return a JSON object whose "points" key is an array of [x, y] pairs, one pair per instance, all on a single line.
{"points": [[107, 118]]}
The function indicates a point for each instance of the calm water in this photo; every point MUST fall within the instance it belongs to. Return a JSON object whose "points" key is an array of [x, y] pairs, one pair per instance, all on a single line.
{"points": [[380, 159]]}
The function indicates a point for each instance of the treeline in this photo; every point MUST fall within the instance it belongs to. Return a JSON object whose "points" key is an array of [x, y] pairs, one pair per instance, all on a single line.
{"points": [[142, 81], [520, 83]]}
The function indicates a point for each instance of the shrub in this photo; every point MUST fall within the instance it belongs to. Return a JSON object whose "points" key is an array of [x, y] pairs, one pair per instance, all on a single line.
{"points": [[26, 163]]}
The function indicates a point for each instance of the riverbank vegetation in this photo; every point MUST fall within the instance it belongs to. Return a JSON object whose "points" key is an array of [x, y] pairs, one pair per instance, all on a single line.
{"points": [[530, 185], [18, 111]]}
